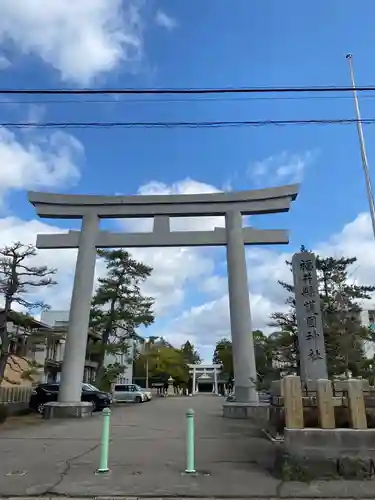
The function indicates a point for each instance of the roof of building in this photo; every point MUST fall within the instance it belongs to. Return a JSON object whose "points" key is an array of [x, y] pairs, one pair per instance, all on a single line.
{"points": [[25, 320]]}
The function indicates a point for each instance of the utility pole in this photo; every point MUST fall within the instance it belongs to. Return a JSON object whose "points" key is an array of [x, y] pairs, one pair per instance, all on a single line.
{"points": [[146, 354], [362, 145]]}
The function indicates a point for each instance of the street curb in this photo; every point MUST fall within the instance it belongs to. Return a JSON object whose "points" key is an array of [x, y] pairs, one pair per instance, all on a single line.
{"points": [[187, 497]]}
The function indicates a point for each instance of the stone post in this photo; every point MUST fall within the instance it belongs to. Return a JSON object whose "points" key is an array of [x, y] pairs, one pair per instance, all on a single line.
{"points": [[194, 381], [76, 340], [245, 373], [215, 381], [309, 318]]}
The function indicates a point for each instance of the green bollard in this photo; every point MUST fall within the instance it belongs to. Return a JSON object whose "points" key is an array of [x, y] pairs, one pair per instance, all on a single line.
{"points": [[190, 458], [104, 445]]}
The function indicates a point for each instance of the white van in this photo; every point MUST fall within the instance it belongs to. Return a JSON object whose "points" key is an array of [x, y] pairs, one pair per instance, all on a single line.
{"points": [[130, 393]]}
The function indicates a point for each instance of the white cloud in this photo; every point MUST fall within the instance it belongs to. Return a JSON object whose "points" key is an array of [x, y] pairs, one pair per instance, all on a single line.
{"points": [[186, 186], [162, 19], [36, 113], [214, 285], [283, 168], [80, 39], [43, 161], [175, 268], [355, 240], [4, 63]]}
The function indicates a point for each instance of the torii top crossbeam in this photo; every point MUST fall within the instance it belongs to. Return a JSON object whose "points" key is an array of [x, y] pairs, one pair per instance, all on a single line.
{"points": [[161, 208], [70, 206]]}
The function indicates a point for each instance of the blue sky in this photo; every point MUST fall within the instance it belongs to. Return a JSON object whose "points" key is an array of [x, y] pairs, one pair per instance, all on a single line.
{"points": [[171, 43]]}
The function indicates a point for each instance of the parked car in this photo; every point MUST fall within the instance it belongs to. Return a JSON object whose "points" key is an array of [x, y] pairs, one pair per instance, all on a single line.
{"points": [[45, 393], [130, 393]]}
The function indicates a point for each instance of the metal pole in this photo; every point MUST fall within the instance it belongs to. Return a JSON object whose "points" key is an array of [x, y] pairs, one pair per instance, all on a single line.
{"points": [[146, 370], [190, 454], [104, 445], [370, 196]]}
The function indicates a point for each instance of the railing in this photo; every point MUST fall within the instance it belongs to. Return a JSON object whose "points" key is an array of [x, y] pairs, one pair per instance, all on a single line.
{"points": [[329, 400], [15, 394]]}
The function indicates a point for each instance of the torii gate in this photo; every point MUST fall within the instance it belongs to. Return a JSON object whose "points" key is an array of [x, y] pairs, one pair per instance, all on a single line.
{"points": [[92, 208]]}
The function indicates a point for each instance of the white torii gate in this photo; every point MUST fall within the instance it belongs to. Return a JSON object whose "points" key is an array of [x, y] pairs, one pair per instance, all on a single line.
{"points": [[92, 208]]}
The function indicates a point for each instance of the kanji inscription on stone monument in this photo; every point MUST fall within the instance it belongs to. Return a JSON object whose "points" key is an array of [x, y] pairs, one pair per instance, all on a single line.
{"points": [[309, 317]]}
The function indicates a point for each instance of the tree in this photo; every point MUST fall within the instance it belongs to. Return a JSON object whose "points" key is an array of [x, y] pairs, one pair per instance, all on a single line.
{"points": [[119, 307], [263, 358], [163, 361], [189, 353], [223, 355], [18, 277], [343, 333], [169, 362]]}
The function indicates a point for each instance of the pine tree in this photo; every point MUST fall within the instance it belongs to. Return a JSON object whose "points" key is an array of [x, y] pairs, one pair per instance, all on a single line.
{"points": [[343, 333], [119, 307], [190, 354], [18, 277]]}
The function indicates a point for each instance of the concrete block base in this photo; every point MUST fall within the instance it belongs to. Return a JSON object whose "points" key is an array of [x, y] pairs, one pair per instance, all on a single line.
{"points": [[67, 410], [330, 443], [317, 454], [256, 412]]}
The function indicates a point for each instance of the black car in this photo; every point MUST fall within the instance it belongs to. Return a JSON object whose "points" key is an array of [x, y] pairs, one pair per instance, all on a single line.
{"points": [[45, 393]]}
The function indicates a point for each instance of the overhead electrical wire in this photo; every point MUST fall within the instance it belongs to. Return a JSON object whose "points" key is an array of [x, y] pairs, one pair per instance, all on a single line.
{"points": [[184, 100], [187, 124], [191, 91]]}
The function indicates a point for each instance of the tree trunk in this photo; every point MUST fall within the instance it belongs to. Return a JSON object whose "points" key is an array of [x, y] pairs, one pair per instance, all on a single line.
{"points": [[3, 364], [100, 368], [4, 351], [105, 338]]}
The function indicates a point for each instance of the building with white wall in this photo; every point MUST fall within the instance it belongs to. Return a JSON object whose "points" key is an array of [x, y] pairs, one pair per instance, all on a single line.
{"points": [[126, 360], [368, 316], [58, 321]]}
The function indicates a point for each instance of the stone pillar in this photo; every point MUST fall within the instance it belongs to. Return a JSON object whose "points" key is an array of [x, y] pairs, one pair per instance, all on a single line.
{"points": [[312, 355], [194, 381], [245, 373], [76, 340], [215, 381]]}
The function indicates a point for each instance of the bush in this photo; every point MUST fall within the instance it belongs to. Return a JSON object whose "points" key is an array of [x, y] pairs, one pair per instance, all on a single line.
{"points": [[3, 413]]}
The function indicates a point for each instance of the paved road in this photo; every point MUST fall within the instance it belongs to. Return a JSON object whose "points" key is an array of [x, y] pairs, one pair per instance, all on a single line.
{"points": [[147, 456]]}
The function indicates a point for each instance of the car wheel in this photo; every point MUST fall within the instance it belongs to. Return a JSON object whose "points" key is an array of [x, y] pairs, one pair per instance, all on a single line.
{"points": [[94, 405], [138, 399], [40, 408]]}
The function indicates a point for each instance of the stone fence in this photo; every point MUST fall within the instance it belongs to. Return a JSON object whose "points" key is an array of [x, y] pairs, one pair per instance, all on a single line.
{"points": [[15, 394], [328, 428], [15, 398], [325, 404]]}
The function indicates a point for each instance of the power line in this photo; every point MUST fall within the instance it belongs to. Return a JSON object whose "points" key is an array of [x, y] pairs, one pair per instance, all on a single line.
{"points": [[202, 124], [191, 91], [183, 100]]}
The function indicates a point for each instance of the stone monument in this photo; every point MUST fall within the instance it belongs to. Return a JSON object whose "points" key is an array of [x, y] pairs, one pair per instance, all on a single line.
{"points": [[91, 209], [312, 352]]}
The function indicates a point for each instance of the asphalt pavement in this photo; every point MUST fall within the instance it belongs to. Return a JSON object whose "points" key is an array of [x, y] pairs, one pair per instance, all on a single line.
{"points": [[147, 457]]}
